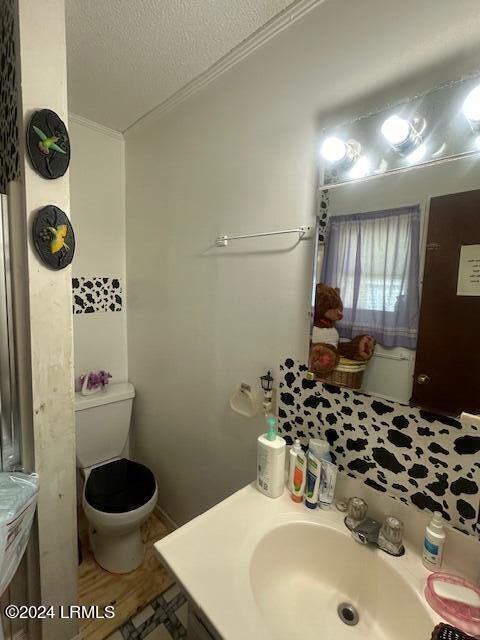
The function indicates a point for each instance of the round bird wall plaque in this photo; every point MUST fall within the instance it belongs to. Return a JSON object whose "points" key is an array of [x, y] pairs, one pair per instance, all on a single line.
{"points": [[53, 237], [48, 144]]}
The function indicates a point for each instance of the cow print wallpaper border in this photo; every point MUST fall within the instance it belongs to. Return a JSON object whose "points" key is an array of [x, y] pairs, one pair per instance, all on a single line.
{"points": [[414, 456], [96, 294], [9, 159]]}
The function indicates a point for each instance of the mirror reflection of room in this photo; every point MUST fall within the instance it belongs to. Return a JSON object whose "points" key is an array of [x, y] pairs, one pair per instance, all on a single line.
{"points": [[392, 298]]}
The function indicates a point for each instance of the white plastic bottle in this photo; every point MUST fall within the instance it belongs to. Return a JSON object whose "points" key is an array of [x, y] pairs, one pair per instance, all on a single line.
{"points": [[271, 461], [297, 471], [433, 543]]}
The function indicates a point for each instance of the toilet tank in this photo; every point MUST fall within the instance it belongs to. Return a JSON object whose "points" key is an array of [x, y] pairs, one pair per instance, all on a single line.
{"points": [[102, 422]]}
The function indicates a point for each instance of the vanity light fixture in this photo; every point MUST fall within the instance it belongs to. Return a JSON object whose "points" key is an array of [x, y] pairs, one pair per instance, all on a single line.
{"points": [[403, 134], [337, 151], [424, 129], [471, 107]]}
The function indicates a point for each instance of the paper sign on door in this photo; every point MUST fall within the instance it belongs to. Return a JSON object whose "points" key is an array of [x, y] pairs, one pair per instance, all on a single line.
{"points": [[469, 271]]}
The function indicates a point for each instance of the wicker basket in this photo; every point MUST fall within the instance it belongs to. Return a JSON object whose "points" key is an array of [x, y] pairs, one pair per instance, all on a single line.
{"points": [[348, 373]]}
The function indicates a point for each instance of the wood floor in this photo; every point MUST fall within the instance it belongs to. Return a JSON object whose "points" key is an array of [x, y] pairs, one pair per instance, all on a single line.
{"points": [[129, 593]]}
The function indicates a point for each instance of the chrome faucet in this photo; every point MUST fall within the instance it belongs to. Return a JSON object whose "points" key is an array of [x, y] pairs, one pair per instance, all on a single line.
{"points": [[386, 536], [367, 531]]}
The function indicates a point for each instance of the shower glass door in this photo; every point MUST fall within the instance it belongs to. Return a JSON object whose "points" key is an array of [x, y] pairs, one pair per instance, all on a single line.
{"points": [[10, 427]]}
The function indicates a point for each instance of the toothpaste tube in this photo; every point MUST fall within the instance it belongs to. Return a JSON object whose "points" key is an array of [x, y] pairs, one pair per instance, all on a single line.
{"points": [[313, 481]]}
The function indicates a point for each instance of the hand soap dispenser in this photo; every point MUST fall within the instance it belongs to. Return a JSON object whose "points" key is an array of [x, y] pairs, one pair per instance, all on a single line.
{"points": [[271, 461]]}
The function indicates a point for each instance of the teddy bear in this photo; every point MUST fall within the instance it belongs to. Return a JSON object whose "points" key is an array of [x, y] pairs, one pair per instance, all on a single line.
{"points": [[326, 349]]}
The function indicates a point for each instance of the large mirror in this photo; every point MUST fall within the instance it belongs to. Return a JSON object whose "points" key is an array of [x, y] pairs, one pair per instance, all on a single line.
{"points": [[396, 286]]}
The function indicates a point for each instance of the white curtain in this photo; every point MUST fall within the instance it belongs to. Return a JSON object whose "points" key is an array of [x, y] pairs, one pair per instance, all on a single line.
{"points": [[373, 258]]}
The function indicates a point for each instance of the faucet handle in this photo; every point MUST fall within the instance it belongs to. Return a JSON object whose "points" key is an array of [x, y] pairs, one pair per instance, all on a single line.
{"points": [[391, 535], [357, 512], [392, 529]]}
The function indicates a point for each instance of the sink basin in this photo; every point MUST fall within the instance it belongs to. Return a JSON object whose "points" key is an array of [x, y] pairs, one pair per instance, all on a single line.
{"points": [[263, 569], [300, 572]]}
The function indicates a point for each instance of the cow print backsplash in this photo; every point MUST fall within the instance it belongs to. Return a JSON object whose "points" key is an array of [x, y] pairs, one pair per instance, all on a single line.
{"points": [[419, 458], [96, 294]]}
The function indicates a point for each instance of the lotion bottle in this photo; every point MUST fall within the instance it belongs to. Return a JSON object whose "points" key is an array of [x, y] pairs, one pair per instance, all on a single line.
{"points": [[297, 472], [433, 543], [271, 461]]}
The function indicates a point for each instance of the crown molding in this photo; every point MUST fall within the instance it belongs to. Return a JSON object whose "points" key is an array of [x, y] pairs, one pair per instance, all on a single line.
{"points": [[99, 128], [272, 28]]}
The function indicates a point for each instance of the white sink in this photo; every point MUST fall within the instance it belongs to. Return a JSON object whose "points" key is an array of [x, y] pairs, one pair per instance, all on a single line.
{"points": [[300, 572], [263, 569]]}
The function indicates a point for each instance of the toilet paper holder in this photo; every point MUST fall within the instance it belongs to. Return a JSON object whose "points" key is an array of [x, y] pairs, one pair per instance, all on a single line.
{"points": [[244, 401]]}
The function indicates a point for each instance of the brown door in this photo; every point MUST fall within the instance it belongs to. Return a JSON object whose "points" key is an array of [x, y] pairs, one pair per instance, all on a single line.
{"points": [[447, 367]]}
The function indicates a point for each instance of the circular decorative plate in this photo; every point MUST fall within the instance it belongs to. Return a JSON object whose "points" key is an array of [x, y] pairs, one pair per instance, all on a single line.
{"points": [[48, 144], [53, 237]]}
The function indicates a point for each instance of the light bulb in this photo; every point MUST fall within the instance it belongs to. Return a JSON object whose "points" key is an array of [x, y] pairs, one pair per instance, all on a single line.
{"points": [[334, 149], [471, 106], [396, 130], [360, 169]]}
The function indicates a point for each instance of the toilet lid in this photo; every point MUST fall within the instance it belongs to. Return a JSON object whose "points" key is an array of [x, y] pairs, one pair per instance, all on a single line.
{"points": [[119, 486]]}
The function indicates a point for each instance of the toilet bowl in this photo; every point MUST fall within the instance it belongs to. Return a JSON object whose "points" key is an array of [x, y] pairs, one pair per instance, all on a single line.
{"points": [[118, 494], [118, 497]]}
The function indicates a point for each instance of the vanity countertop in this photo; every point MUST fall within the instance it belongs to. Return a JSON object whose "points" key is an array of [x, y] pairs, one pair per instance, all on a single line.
{"points": [[211, 558]]}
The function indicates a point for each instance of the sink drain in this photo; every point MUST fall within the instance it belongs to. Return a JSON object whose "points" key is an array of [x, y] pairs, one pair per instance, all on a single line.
{"points": [[348, 614]]}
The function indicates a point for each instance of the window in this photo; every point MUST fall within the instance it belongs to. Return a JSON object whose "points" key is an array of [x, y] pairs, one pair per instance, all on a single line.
{"points": [[373, 258]]}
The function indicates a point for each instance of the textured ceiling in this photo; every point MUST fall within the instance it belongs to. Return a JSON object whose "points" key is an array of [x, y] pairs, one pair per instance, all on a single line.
{"points": [[125, 57]]}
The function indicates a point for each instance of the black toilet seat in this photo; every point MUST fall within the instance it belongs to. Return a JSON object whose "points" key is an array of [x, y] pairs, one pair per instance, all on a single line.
{"points": [[119, 486]]}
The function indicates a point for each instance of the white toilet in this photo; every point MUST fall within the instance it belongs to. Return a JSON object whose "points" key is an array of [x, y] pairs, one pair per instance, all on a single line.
{"points": [[118, 494]]}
